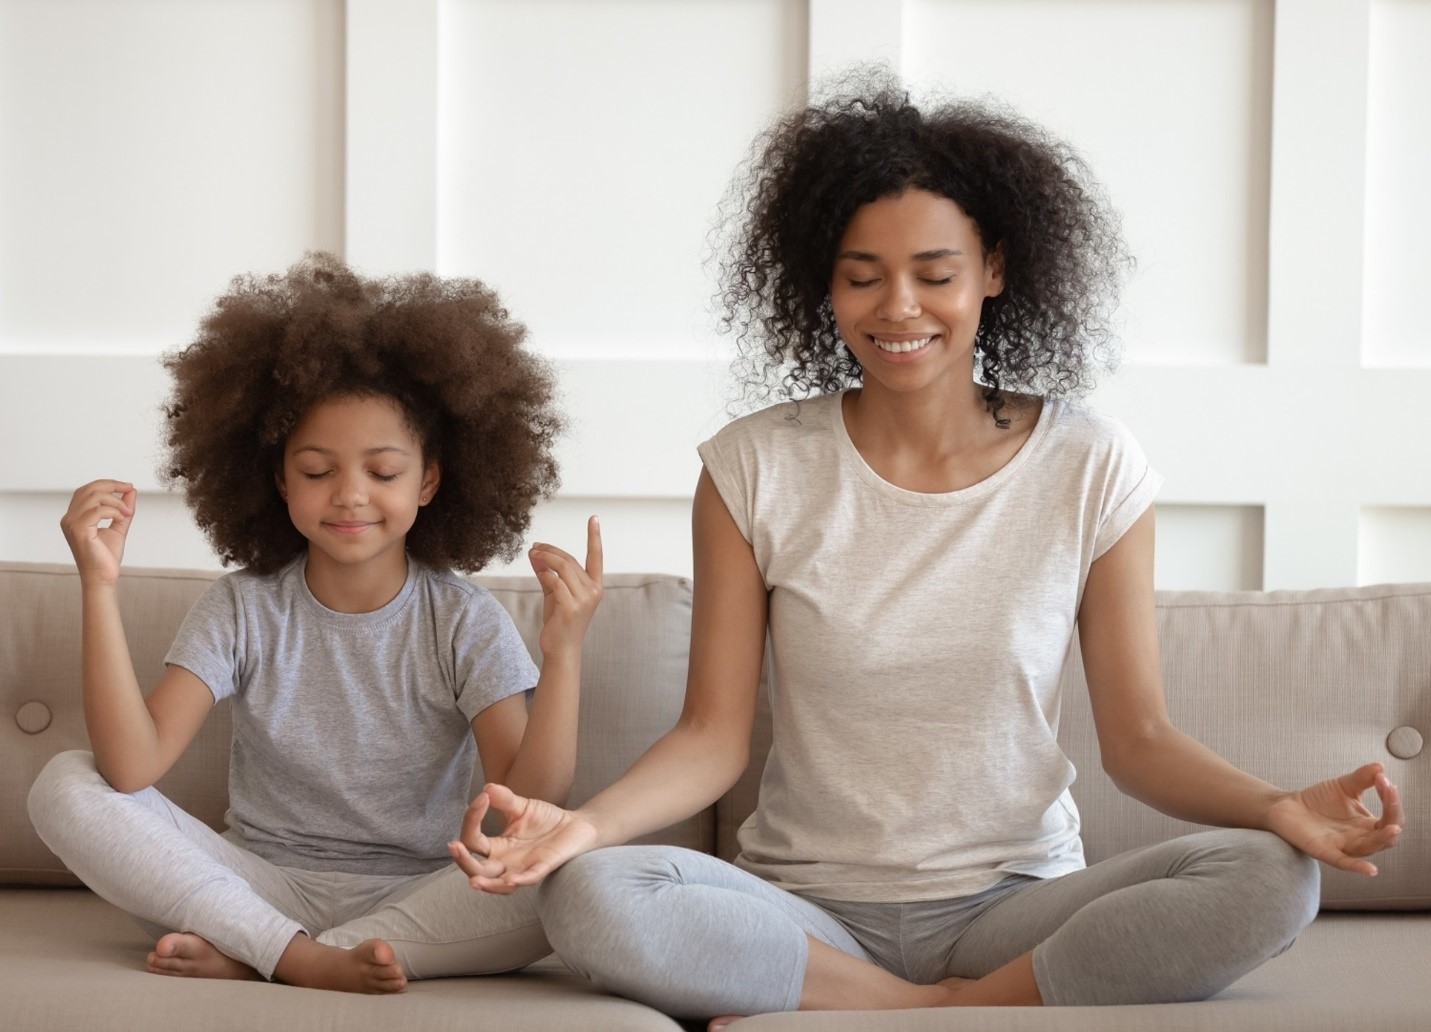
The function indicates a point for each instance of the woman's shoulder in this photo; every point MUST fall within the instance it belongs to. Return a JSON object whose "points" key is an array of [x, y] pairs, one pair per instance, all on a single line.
{"points": [[1078, 425], [779, 424]]}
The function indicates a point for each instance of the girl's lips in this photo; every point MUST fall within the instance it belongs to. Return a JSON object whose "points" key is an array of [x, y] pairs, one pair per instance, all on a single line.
{"points": [[894, 351], [349, 528]]}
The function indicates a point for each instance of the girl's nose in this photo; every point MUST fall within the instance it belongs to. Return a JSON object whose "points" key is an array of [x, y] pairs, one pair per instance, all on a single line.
{"points": [[349, 491]]}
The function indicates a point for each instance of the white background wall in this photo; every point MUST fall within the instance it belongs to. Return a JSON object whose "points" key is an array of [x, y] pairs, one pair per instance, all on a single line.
{"points": [[1270, 161]]}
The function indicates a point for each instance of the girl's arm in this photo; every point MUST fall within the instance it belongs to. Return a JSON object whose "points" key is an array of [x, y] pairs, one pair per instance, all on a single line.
{"points": [[687, 769], [135, 740], [1152, 761], [533, 752]]}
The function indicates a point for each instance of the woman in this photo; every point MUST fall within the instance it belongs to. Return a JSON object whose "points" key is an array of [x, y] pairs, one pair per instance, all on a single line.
{"points": [[920, 536]]}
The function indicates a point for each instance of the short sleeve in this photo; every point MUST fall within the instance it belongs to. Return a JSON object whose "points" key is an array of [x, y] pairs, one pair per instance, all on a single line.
{"points": [[729, 482], [1130, 485], [491, 660], [210, 642]]}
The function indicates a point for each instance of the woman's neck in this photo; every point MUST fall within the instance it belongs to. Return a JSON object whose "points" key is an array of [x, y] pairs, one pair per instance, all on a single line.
{"points": [[933, 442]]}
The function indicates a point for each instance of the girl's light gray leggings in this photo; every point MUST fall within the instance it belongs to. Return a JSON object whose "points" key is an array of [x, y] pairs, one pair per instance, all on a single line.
{"points": [[695, 936], [173, 873]]}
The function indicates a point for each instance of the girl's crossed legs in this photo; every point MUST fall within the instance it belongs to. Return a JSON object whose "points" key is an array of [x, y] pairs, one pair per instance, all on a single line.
{"points": [[173, 873], [696, 937]]}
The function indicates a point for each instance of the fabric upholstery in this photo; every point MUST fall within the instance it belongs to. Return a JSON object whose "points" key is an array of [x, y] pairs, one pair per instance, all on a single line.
{"points": [[633, 668], [1292, 686]]}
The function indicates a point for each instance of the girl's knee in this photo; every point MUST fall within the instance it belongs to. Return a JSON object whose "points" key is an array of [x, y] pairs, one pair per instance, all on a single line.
{"points": [[62, 781]]}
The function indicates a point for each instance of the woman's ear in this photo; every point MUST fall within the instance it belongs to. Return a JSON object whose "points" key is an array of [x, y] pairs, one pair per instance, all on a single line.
{"points": [[994, 271], [282, 487], [431, 477]]}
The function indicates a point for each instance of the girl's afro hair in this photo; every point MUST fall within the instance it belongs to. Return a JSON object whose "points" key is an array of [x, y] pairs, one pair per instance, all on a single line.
{"points": [[445, 350]]}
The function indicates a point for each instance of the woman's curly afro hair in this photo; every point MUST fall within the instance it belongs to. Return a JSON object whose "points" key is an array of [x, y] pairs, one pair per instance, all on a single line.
{"points": [[445, 350], [1028, 193]]}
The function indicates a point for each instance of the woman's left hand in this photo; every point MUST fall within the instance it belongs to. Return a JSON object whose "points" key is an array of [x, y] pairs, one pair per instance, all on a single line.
{"points": [[571, 591], [1328, 821]]}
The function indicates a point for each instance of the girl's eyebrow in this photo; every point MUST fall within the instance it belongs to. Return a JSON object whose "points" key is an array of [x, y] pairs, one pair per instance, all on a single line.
{"points": [[371, 451], [920, 256]]}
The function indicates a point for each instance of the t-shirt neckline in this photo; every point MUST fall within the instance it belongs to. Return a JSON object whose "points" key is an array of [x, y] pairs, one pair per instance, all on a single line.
{"points": [[369, 619], [963, 494]]}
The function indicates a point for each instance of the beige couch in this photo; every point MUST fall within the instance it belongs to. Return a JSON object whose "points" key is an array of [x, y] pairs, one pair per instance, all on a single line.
{"points": [[1292, 686]]}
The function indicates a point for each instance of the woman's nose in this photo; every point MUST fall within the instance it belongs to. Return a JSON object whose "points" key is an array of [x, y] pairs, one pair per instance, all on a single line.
{"points": [[899, 301]]}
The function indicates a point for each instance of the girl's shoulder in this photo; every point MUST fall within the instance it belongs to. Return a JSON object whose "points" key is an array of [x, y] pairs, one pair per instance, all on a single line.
{"points": [[1078, 428]]}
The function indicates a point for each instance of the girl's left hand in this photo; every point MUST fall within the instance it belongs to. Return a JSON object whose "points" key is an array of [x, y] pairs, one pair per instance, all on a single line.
{"points": [[571, 592], [1328, 821]]}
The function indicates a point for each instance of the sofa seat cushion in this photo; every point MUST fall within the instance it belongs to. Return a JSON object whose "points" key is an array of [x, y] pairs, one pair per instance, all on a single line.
{"points": [[69, 960]]}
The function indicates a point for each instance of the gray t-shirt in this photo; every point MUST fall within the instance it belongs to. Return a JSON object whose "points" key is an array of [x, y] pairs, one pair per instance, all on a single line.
{"points": [[918, 645], [352, 740]]}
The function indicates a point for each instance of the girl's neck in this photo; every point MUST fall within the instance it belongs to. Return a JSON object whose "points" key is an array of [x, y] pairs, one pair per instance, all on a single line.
{"points": [[356, 588]]}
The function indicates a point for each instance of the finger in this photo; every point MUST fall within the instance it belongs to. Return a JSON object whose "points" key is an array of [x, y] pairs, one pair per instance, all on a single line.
{"points": [[472, 865], [595, 555], [493, 885], [1359, 780], [1390, 796], [472, 824], [128, 500], [1375, 841], [505, 801]]}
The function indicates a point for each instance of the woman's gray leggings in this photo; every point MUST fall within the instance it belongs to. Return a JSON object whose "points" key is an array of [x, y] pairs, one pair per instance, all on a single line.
{"points": [[695, 936]]}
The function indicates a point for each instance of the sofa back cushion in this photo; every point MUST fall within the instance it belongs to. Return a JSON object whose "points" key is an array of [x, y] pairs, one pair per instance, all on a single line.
{"points": [[633, 681], [1291, 686]]}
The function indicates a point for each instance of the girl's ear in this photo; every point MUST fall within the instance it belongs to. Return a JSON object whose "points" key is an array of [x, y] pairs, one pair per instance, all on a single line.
{"points": [[994, 267], [431, 477], [282, 487]]}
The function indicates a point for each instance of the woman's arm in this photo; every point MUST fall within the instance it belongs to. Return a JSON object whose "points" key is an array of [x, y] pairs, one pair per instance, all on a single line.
{"points": [[135, 740], [1152, 761], [685, 770], [533, 753]]}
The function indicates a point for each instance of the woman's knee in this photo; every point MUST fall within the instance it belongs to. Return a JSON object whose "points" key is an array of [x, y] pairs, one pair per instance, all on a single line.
{"points": [[1274, 876], [594, 905], [60, 786]]}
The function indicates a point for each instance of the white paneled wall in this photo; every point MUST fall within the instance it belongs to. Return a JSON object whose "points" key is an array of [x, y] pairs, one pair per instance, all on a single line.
{"points": [[1269, 160]]}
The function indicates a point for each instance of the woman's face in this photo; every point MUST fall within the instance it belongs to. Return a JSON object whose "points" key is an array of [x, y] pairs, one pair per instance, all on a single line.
{"points": [[909, 284]]}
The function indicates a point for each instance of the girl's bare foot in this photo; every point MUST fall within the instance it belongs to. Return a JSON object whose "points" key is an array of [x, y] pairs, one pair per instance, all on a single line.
{"points": [[716, 1024], [369, 967], [192, 956]]}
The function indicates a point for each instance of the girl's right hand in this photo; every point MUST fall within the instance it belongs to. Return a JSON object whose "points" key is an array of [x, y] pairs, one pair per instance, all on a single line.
{"points": [[98, 550], [538, 839]]}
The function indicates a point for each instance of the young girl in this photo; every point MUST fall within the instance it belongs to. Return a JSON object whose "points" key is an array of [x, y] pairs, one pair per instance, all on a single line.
{"points": [[920, 536], [348, 442]]}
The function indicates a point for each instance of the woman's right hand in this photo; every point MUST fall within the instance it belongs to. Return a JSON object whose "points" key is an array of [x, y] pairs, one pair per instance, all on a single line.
{"points": [[539, 838], [98, 550]]}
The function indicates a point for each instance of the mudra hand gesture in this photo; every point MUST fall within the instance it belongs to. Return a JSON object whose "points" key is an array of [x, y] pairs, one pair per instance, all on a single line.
{"points": [[1328, 821], [538, 839]]}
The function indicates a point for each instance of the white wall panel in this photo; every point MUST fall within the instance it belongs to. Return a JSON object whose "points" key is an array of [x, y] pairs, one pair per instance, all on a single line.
{"points": [[1398, 168], [584, 147], [1170, 102], [1395, 544], [149, 150], [1209, 548]]}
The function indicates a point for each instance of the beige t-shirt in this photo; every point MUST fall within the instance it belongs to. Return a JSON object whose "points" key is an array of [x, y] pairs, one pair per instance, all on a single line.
{"points": [[918, 645]]}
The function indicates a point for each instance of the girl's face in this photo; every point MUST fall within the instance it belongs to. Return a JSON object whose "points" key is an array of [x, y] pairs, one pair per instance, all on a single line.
{"points": [[909, 283], [354, 477]]}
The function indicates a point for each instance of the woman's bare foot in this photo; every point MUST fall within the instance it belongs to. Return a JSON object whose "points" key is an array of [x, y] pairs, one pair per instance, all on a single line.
{"points": [[192, 956], [716, 1024], [369, 967]]}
